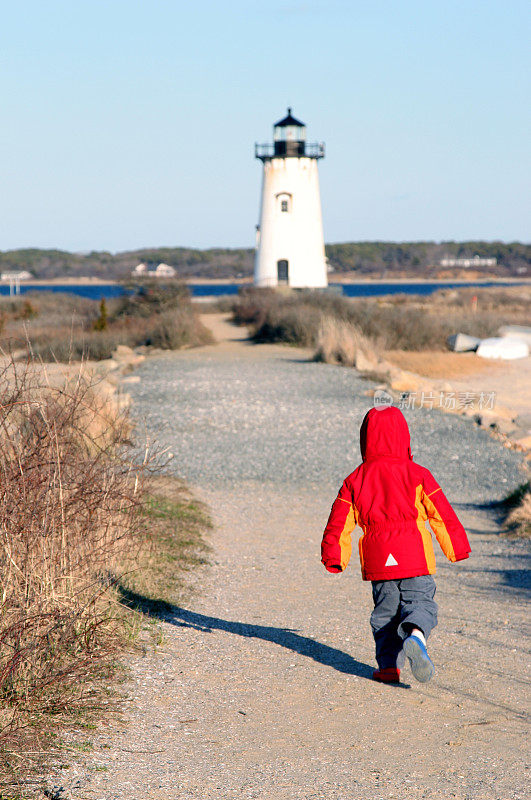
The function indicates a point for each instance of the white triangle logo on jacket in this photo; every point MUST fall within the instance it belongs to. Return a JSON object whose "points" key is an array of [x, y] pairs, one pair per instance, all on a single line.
{"points": [[391, 561]]}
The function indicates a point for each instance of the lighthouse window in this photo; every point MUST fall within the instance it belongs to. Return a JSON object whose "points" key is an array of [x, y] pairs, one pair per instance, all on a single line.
{"points": [[284, 205]]}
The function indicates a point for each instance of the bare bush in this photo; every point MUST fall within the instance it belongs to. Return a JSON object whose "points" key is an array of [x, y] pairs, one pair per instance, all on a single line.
{"points": [[174, 329], [68, 520]]}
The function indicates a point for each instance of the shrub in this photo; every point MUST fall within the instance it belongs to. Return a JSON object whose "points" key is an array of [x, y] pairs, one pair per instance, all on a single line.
{"points": [[518, 518], [76, 345], [162, 317], [173, 329], [152, 299], [68, 515], [101, 323], [398, 322], [290, 323]]}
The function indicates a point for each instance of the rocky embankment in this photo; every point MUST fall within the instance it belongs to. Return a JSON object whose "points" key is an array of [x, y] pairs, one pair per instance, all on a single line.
{"points": [[503, 413]]}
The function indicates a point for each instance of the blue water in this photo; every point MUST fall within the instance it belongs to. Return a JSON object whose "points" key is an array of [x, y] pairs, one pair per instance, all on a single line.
{"points": [[378, 289], [97, 291]]}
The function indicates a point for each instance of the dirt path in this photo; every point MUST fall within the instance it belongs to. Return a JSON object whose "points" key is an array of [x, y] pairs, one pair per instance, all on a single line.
{"points": [[262, 687]]}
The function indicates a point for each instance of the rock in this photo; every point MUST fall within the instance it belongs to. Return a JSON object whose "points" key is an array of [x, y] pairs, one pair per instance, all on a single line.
{"points": [[504, 348], [123, 353], [516, 332], [524, 421], [486, 418], [463, 343], [105, 365], [403, 381], [365, 363], [126, 357], [123, 401], [105, 388], [524, 442], [505, 426], [113, 378], [131, 379], [495, 418], [500, 411]]}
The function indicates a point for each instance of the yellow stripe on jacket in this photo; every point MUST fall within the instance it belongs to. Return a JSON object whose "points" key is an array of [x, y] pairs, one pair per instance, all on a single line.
{"points": [[345, 538], [439, 528], [422, 516]]}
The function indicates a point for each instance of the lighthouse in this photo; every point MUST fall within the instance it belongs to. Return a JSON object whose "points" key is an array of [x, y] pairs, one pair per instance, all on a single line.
{"points": [[289, 239]]}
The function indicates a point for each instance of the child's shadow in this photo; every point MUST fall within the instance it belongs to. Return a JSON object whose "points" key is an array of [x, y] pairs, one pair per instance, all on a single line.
{"points": [[284, 637]]}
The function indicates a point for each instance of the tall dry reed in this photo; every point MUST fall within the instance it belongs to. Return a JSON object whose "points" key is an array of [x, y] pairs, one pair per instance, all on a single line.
{"points": [[68, 520], [340, 342]]}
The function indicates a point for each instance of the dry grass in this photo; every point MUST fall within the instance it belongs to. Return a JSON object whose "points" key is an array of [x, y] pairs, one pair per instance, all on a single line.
{"points": [[68, 520], [87, 536], [66, 327], [518, 519], [343, 343], [398, 322]]}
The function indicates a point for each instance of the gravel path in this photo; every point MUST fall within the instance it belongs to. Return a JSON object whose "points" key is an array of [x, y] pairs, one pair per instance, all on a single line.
{"points": [[262, 687]]}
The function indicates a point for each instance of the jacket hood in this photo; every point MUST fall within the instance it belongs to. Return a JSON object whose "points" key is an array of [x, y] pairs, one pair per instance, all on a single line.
{"points": [[384, 432]]}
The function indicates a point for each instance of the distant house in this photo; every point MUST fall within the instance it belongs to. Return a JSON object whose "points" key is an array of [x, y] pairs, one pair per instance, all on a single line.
{"points": [[165, 271], [475, 261], [14, 278], [16, 275], [161, 271]]}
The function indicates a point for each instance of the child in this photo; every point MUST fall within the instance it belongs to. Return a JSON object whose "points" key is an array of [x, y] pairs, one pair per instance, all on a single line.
{"points": [[390, 498]]}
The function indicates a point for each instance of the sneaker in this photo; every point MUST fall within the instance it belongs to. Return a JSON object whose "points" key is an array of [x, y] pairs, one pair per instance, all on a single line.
{"points": [[421, 664], [386, 675]]}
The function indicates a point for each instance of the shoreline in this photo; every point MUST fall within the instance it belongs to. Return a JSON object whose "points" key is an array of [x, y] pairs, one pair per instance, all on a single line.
{"points": [[333, 279], [441, 281], [81, 281]]}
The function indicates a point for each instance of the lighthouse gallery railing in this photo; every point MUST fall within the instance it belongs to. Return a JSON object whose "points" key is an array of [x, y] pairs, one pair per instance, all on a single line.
{"points": [[290, 150]]}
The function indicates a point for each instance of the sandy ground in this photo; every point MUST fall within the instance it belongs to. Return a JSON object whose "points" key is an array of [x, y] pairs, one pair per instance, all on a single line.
{"points": [[262, 687], [510, 380], [445, 366]]}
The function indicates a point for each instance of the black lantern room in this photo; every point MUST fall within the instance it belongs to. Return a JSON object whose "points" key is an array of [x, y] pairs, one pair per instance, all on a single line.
{"points": [[289, 140], [289, 136]]}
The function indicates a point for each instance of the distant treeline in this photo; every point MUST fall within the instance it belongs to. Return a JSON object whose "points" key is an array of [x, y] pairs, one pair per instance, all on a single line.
{"points": [[419, 258], [366, 258]]}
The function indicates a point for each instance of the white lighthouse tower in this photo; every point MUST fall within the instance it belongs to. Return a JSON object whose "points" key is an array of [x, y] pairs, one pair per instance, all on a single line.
{"points": [[290, 245]]}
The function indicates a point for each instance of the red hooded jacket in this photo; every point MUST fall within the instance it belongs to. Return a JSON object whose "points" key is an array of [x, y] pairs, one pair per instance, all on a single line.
{"points": [[390, 498]]}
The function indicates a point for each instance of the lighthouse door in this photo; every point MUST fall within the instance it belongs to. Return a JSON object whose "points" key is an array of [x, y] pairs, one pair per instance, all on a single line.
{"points": [[282, 271]]}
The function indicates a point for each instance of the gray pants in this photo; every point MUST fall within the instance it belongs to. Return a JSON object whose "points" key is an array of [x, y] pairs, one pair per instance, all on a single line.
{"points": [[398, 607]]}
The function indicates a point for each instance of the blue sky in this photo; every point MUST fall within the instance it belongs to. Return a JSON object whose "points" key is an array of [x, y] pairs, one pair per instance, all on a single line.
{"points": [[131, 123]]}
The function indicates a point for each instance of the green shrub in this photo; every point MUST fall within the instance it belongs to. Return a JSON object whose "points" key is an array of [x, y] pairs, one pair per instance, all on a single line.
{"points": [[101, 323]]}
